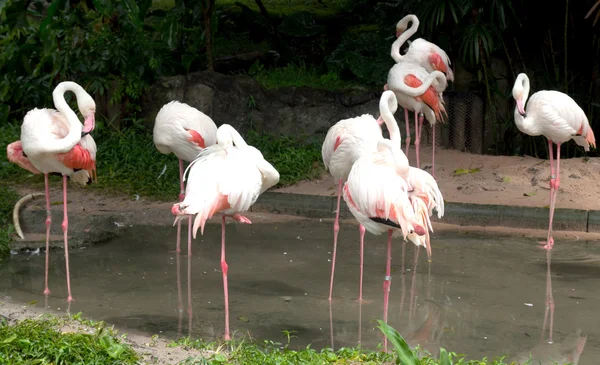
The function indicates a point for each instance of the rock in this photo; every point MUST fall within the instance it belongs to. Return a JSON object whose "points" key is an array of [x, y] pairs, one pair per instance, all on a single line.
{"points": [[240, 101]]}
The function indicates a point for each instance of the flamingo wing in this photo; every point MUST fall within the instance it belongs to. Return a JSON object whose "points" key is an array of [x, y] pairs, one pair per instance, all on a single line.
{"points": [[426, 188]]}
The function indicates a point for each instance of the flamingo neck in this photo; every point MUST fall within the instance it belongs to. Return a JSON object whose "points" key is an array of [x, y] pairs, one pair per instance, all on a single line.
{"points": [[75, 127], [395, 53]]}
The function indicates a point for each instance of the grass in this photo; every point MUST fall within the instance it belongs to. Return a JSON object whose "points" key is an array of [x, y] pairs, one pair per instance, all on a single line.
{"points": [[40, 341], [298, 76], [129, 163]]}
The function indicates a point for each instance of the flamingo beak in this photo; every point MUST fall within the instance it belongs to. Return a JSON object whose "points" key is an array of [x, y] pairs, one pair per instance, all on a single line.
{"points": [[398, 33], [520, 107], [380, 120], [89, 123]]}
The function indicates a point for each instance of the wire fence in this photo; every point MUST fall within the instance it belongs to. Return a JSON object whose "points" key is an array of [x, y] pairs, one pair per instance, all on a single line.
{"points": [[464, 128]]}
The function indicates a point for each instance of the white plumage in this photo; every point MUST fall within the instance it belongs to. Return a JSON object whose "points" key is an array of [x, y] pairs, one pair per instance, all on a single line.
{"points": [[227, 177], [172, 127]]}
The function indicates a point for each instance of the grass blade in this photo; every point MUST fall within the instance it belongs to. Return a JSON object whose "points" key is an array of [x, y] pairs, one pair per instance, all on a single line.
{"points": [[405, 355]]}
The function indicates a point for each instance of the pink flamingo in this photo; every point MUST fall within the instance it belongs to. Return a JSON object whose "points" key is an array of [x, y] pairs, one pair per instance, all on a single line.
{"points": [[558, 118], [54, 141], [185, 131], [344, 143], [421, 91], [377, 191], [424, 53], [226, 178]]}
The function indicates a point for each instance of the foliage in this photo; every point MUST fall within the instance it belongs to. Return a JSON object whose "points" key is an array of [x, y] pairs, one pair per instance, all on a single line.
{"points": [[293, 159], [41, 342], [8, 198]]}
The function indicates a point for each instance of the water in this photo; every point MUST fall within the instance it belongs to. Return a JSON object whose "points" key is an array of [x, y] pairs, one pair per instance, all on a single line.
{"points": [[481, 295]]}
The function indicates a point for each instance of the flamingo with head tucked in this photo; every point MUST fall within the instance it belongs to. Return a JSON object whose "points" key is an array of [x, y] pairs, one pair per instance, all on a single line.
{"points": [[226, 178], [184, 131], [54, 141], [421, 91], [557, 117]]}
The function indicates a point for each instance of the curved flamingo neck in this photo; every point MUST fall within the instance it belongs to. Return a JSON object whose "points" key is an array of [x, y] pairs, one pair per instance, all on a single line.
{"points": [[395, 52], [388, 98], [75, 127], [421, 89]]}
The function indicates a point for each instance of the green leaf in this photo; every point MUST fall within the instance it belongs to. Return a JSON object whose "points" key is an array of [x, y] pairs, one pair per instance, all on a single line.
{"points": [[465, 171], [10, 339], [405, 354], [445, 358], [529, 194]]}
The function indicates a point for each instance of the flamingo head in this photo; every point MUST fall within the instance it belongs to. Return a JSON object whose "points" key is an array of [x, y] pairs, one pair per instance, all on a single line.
{"points": [[518, 92], [87, 106]]}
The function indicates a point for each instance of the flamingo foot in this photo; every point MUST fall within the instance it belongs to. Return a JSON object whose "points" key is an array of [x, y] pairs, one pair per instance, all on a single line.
{"points": [[547, 245], [70, 299], [239, 218], [46, 291]]}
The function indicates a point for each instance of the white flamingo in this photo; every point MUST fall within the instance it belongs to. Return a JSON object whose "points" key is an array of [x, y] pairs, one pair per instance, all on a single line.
{"points": [[421, 91], [54, 141], [226, 178], [184, 131], [557, 117]]}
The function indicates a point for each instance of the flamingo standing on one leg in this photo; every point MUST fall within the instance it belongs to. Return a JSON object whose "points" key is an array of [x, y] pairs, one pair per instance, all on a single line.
{"points": [[184, 131], [557, 117], [426, 54], [54, 141], [418, 90], [226, 178], [377, 189]]}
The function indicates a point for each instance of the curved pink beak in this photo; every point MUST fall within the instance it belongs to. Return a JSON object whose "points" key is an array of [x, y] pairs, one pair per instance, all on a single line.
{"points": [[520, 106], [380, 120], [89, 123], [398, 33]]}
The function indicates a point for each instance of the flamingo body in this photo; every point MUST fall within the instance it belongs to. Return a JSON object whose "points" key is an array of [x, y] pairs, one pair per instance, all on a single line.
{"points": [[346, 141], [183, 130]]}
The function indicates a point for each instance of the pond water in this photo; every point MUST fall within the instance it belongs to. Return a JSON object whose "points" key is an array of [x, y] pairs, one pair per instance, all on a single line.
{"points": [[480, 295]]}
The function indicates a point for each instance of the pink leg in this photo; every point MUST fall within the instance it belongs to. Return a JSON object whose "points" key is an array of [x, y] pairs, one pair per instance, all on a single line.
{"points": [[361, 229], [433, 151], [417, 139], [224, 270], [179, 296], [554, 183], [331, 324], [549, 300], [413, 285], [336, 229], [189, 293], [407, 140], [386, 284], [403, 291], [181, 197], [65, 228], [48, 223], [189, 235]]}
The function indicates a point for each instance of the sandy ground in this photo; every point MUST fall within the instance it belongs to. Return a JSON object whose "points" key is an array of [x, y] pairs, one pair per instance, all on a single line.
{"points": [[507, 180], [151, 350]]}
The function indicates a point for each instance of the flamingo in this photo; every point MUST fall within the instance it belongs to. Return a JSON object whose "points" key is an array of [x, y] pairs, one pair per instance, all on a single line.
{"points": [[377, 190], [54, 141], [557, 117], [226, 178], [185, 131], [344, 143], [418, 90]]}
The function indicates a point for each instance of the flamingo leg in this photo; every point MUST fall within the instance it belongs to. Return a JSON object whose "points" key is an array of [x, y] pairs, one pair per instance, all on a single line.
{"points": [[65, 228], [48, 223], [407, 140], [361, 229], [189, 293], [549, 301], [554, 184], [336, 229], [331, 324], [413, 284], [181, 197], [224, 271], [417, 139], [387, 283], [179, 296], [433, 151], [403, 291]]}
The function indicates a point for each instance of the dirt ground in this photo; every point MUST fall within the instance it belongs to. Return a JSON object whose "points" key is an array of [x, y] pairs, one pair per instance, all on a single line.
{"points": [[151, 350], [507, 180]]}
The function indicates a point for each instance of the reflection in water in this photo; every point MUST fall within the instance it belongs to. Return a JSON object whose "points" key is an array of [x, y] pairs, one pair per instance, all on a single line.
{"points": [[548, 352]]}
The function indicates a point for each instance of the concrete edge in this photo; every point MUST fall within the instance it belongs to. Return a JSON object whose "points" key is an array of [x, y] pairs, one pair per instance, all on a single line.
{"points": [[318, 206]]}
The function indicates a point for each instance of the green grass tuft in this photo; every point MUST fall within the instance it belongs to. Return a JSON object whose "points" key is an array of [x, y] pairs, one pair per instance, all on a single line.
{"points": [[293, 159], [298, 76], [40, 342]]}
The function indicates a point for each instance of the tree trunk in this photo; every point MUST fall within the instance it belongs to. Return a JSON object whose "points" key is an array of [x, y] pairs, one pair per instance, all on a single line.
{"points": [[207, 15]]}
